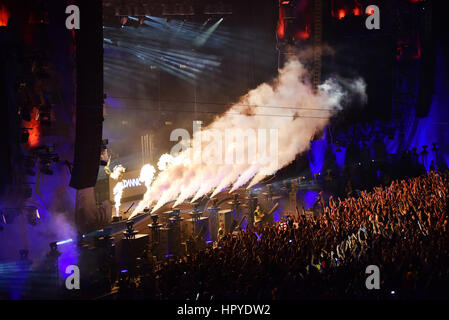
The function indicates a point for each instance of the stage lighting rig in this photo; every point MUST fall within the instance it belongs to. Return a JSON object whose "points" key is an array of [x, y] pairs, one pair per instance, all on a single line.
{"points": [[130, 233], [434, 147], [32, 215], [123, 21], [53, 246], [155, 234], [2, 221], [45, 168], [9, 215]]}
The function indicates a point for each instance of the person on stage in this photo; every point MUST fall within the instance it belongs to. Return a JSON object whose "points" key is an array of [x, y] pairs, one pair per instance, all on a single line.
{"points": [[221, 231], [258, 216]]}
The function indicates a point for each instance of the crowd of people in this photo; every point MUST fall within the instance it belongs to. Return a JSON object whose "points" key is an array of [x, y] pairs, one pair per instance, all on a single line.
{"points": [[401, 228], [374, 153]]}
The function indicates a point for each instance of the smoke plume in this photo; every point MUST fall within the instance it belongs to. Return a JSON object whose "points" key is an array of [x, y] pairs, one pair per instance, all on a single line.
{"points": [[288, 107], [117, 174], [146, 176]]}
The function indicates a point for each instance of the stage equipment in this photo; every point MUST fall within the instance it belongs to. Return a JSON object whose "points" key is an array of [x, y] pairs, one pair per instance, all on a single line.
{"points": [[193, 225], [155, 234], [89, 95], [175, 227], [132, 248], [130, 233], [32, 215], [225, 217], [52, 263], [236, 227], [213, 222]]}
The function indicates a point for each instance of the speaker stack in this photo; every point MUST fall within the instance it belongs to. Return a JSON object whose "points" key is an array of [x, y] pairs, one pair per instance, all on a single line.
{"points": [[89, 94]]}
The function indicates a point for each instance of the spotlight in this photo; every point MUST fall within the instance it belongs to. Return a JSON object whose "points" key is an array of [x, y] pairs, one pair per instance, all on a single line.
{"points": [[64, 242], [2, 221], [44, 115], [130, 233], [53, 246], [424, 150], [434, 146], [155, 218], [129, 226], [32, 215], [53, 255]]}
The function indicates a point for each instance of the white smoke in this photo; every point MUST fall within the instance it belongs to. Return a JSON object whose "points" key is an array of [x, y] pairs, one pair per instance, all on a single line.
{"points": [[117, 174], [289, 106], [164, 161], [146, 176], [118, 192]]}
